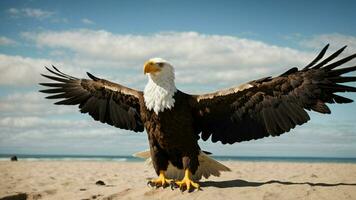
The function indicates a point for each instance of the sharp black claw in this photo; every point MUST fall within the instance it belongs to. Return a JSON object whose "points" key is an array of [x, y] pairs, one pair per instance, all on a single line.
{"points": [[173, 186], [182, 189], [150, 183]]}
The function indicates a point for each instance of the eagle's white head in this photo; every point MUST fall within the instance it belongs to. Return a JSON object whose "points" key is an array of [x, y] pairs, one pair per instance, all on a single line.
{"points": [[160, 89]]}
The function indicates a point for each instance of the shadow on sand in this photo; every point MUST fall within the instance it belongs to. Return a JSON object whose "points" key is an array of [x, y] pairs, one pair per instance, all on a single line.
{"points": [[243, 183]]}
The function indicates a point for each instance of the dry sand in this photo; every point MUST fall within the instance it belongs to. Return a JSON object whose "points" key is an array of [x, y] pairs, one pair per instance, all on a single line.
{"points": [[248, 180]]}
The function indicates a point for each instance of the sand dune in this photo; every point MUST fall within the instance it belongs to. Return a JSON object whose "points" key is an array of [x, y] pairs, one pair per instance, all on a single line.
{"points": [[248, 180]]}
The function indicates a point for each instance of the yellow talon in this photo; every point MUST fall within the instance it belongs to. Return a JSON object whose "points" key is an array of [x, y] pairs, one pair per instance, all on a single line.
{"points": [[161, 181], [187, 182]]}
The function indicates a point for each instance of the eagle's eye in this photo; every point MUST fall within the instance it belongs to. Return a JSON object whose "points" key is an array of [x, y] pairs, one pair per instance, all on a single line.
{"points": [[160, 64]]}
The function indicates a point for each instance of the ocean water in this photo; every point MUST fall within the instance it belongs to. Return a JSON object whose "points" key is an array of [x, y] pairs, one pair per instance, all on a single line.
{"points": [[71, 157], [6, 157]]}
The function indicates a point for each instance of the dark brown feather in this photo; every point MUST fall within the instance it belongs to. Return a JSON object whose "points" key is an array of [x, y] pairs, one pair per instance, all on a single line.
{"points": [[341, 79], [119, 107], [328, 59], [341, 71], [321, 107], [320, 56], [275, 105], [56, 78], [340, 62], [341, 99]]}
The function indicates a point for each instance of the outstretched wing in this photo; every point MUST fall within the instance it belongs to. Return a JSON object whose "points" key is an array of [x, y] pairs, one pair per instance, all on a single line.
{"points": [[105, 101], [272, 106]]}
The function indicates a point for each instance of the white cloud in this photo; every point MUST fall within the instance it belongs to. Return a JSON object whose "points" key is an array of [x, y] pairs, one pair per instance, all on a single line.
{"points": [[18, 70], [336, 41], [34, 121], [13, 11], [5, 41], [87, 21], [26, 71], [19, 121], [193, 47], [30, 12], [60, 20], [223, 58], [31, 103], [36, 13]]}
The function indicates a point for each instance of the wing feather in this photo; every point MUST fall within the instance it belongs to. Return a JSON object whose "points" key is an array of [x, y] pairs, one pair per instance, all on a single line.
{"points": [[273, 106], [105, 101], [328, 59], [319, 57]]}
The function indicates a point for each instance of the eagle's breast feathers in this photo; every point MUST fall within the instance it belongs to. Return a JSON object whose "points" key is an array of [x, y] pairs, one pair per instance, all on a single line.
{"points": [[159, 97]]}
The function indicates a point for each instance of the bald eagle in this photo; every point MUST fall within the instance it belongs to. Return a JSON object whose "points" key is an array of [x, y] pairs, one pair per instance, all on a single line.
{"points": [[175, 121]]}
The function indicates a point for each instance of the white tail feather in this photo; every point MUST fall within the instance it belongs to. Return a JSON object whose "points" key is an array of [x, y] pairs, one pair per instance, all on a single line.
{"points": [[207, 166]]}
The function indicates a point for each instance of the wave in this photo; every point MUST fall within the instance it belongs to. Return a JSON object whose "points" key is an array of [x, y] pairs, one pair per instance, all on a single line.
{"points": [[69, 158]]}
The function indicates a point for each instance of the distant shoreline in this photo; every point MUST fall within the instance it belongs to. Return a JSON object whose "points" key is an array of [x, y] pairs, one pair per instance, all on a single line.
{"points": [[128, 158]]}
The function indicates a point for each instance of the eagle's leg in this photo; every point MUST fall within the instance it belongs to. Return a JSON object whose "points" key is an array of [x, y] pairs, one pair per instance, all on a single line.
{"points": [[161, 181], [190, 165], [187, 182], [160, 164]]}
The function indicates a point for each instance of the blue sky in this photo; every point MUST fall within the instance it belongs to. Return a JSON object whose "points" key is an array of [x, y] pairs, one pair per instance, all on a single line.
{"points": [[212, 45]]}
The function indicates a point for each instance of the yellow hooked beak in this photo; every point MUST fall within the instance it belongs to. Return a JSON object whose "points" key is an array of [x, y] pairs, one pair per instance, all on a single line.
{"points": [[150, 67]]}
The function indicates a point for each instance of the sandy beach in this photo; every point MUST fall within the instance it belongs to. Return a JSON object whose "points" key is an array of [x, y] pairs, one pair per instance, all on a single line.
{"points": [[127, 180]]}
